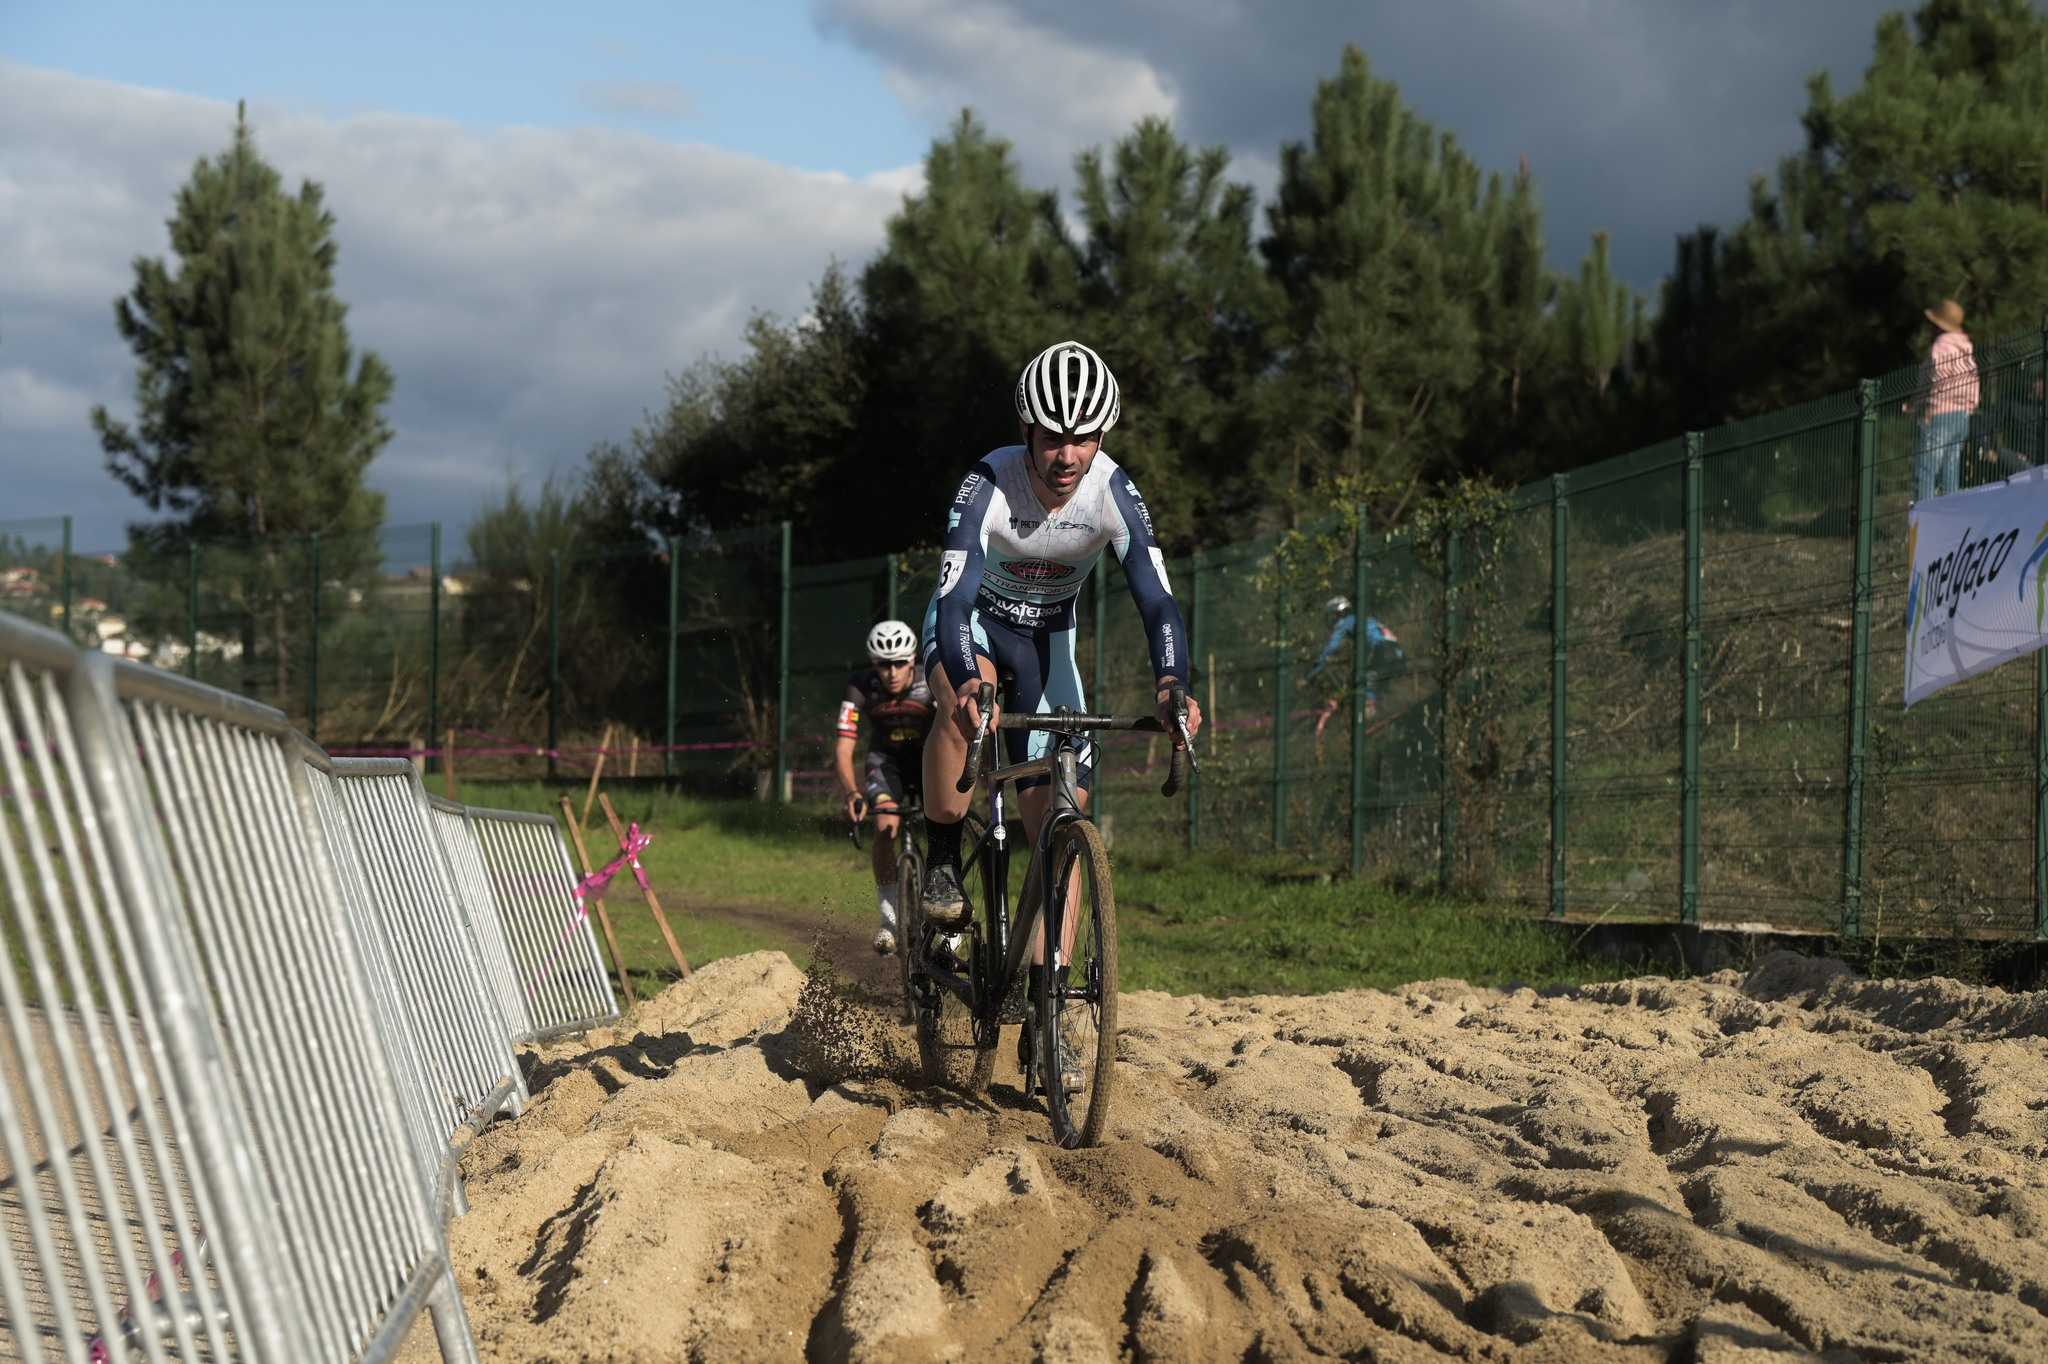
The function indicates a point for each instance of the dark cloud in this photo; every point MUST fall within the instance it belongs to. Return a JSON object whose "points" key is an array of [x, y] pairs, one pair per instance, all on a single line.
{"points": [[530, 288], [1640, 119]]}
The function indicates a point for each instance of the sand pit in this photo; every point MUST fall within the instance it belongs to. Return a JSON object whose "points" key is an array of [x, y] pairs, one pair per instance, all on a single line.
{"points": [[1795, 1164]]}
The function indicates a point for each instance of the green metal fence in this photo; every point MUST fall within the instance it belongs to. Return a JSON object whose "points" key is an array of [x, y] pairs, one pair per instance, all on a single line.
{"points": [[1664, 688]]}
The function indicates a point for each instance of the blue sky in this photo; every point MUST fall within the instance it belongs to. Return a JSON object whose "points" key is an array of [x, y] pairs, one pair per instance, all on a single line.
{"points": [[546, 212], [722, 74]]}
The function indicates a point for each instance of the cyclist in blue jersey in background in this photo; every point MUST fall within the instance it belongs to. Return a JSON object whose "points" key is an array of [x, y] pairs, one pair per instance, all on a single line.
{"points": [[1023, 531], [1377, 637]]}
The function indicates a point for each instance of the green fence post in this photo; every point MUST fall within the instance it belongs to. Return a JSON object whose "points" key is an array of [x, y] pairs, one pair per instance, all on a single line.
{"points": [[192, 608], [1359, 658], [782, 679], [1280, 719], [434, 639], [64, 582], [1560, 511], [2041, 696], [1689, 777], [1197, 632], [1862, 590], [554, 660], [1099, 801], [675, 589], [313, 646], [891, 573], [1447, 805]]}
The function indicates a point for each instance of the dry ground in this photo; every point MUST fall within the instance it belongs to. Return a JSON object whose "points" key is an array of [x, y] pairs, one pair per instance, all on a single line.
{"points": [[1793, 1164]]}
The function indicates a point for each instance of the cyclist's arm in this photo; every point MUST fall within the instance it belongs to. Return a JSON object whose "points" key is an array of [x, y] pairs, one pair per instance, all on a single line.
{"points": [[968, 516], [1336, 642], [1145, 570], [849, 738]]}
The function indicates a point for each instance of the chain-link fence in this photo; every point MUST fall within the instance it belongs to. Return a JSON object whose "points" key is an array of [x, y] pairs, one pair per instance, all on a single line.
{"points": [[1664, 687]]}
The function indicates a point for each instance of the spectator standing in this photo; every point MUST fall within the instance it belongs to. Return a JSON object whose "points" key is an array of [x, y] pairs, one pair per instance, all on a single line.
{"points": [[1948, 381]]}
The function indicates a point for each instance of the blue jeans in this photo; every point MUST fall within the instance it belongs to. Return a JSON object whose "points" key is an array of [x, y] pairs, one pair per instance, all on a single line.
{"points": [[1938, 457]]}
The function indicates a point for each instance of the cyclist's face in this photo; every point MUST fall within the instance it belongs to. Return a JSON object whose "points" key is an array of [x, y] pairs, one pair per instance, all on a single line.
{"points": [[1061, 461], [895, 675]]}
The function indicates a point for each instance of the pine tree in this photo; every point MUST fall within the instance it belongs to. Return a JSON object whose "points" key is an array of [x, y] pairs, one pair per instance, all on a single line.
{"points": [[977, 276], [1379, 242], [1179, 307], [1927, 181], [250, 425]]}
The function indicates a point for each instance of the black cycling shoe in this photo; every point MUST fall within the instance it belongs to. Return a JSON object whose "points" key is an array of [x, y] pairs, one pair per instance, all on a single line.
{"points": [[943, 902]]}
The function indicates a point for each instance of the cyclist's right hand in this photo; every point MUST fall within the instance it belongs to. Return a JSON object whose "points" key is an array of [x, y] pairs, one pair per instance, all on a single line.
{"points": [[856, 806], [967, 714]]}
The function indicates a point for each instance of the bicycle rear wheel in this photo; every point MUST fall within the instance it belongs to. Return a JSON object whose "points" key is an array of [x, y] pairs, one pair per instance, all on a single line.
{"points": [[909, 919], [948, 1051], [1080, 1020]]}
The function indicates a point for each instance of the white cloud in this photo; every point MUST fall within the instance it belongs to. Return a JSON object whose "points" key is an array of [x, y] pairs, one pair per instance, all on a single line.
{"points": [[639, 99], [1050, 92], [530, 288]]}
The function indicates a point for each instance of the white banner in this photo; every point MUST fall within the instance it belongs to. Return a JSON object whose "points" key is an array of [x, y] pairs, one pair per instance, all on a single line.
{"points": [[1977, 594]]}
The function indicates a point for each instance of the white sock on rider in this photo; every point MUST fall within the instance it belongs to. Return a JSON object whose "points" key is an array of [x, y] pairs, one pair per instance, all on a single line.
{"points": [[885, 904]]}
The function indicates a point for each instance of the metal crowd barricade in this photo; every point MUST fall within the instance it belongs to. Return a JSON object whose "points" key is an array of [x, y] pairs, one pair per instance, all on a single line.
{"points": [[250, 994], [554, 954]]}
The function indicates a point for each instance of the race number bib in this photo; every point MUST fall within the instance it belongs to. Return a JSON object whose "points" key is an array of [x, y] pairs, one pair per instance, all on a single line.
{"points": [[951, 565]]}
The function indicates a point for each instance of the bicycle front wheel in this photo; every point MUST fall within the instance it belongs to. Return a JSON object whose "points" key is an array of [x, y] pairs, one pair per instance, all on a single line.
{"points": [[1076, 1023]]}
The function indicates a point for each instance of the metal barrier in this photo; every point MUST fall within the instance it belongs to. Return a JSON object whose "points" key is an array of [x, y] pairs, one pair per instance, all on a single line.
{"points": [[250, 996]]}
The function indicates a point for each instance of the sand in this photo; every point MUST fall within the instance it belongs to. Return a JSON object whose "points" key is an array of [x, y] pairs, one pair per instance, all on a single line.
{"points": [[1792, 1164]]}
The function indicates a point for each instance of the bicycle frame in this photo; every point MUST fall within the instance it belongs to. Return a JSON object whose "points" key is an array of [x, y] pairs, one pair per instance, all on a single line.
{"points": [[1005, 944]]}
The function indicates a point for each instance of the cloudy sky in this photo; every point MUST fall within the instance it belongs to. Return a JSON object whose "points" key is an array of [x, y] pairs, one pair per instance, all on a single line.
{"points": [[544, 211]]}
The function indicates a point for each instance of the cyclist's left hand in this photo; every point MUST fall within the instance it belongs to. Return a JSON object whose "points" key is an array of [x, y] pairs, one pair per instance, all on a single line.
{"points": [[1166, 714]]}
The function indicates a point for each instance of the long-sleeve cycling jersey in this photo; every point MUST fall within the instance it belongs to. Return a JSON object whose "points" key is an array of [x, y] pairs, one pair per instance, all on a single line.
{"points": [[1376, 635], [1009, 558]]}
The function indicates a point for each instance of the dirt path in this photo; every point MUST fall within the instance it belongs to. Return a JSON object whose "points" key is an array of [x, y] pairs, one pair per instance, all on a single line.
{"points": [[1796, 1165], [848, 941]]}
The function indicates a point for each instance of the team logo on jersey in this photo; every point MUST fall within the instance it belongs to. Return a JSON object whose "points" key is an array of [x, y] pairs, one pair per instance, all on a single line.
{"points": [[967, 488], [1138, 500], [951, 565], [1037, 570]]}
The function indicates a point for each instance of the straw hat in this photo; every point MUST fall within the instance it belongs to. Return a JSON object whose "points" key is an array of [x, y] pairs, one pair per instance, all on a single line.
{"points": [[1947, 315]]}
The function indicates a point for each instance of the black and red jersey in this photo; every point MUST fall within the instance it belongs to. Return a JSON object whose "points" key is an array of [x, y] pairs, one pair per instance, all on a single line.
{"points": [[895, 724]]}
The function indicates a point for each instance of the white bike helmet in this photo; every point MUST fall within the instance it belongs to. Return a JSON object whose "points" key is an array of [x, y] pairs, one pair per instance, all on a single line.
{"points": [[892, 642], [1337, 606], [1067, 388]]}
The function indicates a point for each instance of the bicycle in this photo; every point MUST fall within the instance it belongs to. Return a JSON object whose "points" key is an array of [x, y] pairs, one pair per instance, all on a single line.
{"points": [[961, 1001]]}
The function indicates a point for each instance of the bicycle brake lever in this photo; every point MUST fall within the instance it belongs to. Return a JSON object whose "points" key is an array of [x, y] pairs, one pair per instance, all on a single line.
{"points": [[986, 698]]}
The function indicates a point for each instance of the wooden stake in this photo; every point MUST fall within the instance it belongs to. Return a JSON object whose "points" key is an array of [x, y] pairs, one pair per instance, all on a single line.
{"points": [[1210, 718], [418, 749], [450, 787], [604, 920], [633, 756], [653, 901], [603, 745]]}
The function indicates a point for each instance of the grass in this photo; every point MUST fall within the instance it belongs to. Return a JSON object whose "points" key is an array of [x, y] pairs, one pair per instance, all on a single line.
{"points": [[1209, 924]]}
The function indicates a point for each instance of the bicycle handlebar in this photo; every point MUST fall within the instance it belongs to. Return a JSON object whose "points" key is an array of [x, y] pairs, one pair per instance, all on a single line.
{"points": [[1182, 764]]}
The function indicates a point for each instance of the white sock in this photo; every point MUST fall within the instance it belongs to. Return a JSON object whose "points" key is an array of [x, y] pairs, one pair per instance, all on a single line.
{"points": [[885, 902]]}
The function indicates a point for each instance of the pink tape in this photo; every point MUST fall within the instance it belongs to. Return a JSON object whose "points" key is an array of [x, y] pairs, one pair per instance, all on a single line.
{"points": [[629, 856], [97, 1349]]}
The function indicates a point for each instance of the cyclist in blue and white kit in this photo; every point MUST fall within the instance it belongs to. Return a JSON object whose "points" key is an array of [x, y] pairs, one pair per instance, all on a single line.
{"points": [[1023, 532]]}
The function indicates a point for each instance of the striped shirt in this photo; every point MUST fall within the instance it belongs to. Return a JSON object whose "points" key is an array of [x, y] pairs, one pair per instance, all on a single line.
{"points": [[1949, 375]]}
